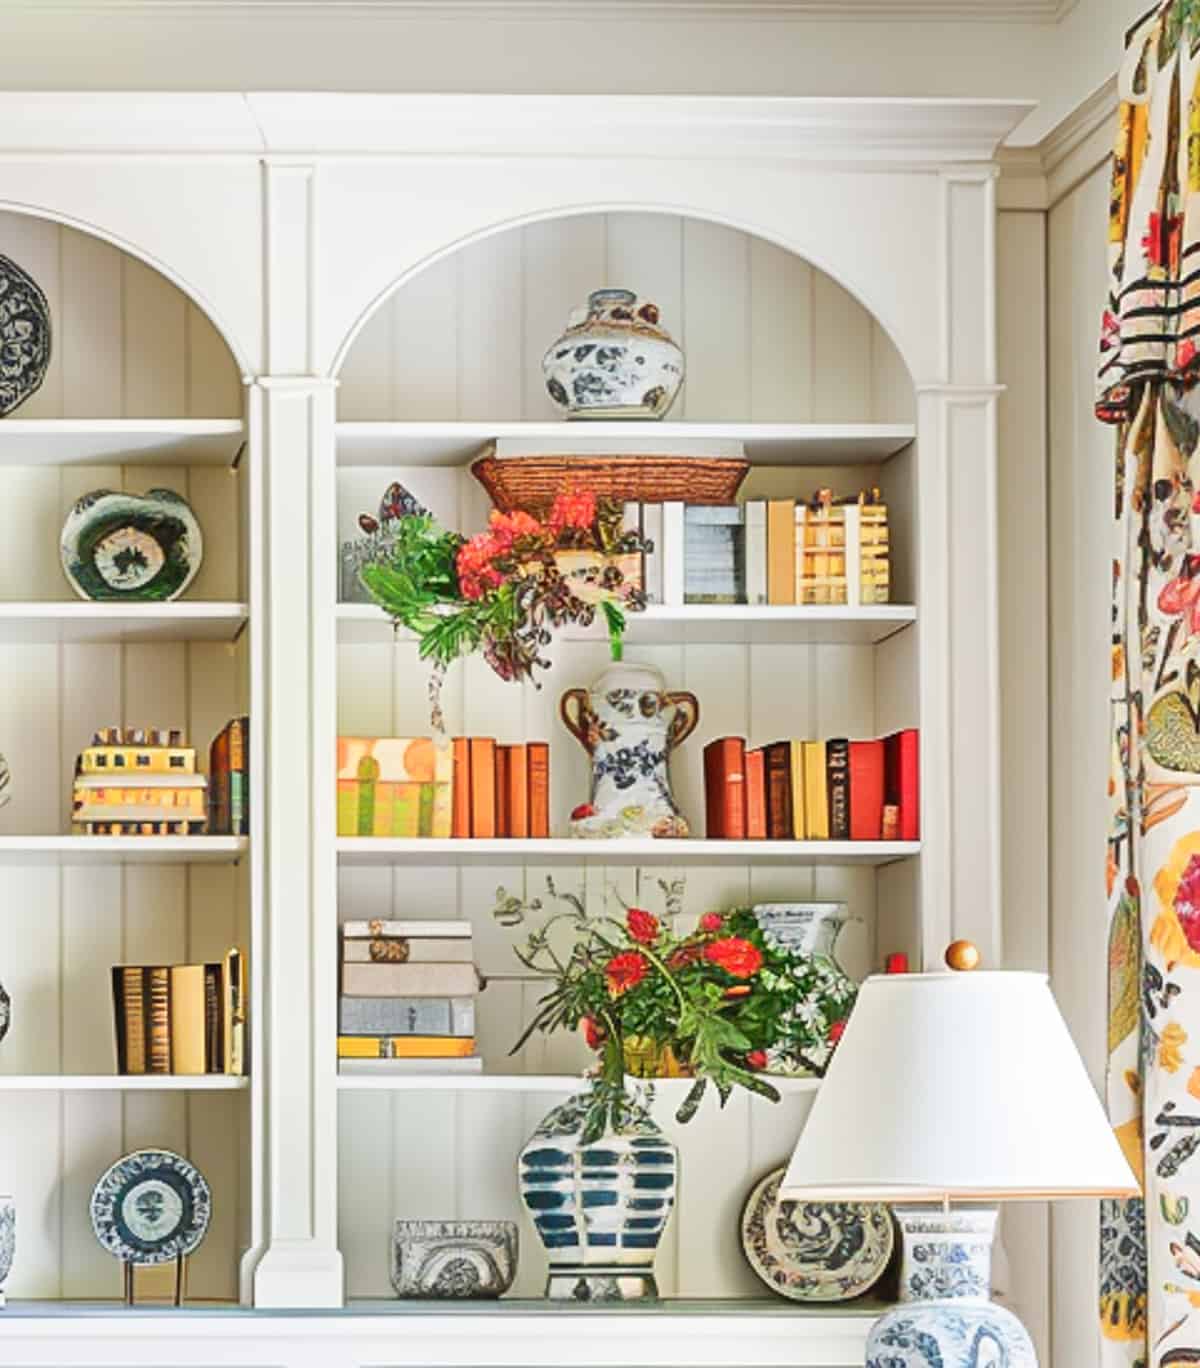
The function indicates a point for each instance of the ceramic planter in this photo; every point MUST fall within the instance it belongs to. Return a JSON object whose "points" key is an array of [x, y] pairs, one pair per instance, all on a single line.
{"points": [[629, 724], [455, 1260], [614, 361], [599, 1205]]}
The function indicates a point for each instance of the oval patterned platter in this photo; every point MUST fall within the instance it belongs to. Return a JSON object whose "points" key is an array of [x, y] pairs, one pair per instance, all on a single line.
{"points": [[144, 547], [152, 1206], [24, 336], [815, 1251]]}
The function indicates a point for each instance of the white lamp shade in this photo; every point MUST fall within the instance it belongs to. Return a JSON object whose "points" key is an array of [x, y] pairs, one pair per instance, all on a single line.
{"points": [[958, 1085]]}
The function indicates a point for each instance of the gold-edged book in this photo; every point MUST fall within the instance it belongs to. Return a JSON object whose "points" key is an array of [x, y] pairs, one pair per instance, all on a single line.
{"points": [[405, 1047]]}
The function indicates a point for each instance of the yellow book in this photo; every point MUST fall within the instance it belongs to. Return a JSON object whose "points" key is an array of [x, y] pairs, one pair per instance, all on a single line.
{"points": [[799, 824], [816, 792], [405, 1047], [781, 551], [187, 1019], [131, 759]]}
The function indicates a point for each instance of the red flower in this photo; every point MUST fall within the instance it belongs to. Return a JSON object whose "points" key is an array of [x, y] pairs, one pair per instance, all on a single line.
{"points": [[756, 1059], [574, 511], [836, 1031], [735, 955], [1181, 595], [625, 971], [711, 921], [1187, 902], [643, 925], [476, 573], [507, 528], [593, 1033]]}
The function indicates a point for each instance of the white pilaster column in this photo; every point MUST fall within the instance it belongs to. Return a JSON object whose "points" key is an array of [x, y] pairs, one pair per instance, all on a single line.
{"points": [[301, 1265]]}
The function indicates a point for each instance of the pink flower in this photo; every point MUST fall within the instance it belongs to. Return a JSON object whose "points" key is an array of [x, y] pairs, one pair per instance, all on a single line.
{"points": [[576, 511], [1181, 596]]}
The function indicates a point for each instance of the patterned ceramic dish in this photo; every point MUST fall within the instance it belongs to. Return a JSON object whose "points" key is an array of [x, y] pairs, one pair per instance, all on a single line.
{"points": [[815, 1251], [455, 1260], [151, 1207], [144, 547], [24, 336]]}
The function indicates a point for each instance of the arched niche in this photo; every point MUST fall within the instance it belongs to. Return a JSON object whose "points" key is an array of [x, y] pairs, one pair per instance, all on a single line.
{"points": [[768, 337]]}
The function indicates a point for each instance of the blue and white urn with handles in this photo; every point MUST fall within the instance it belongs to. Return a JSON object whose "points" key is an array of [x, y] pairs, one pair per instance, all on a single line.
{"points": [[598, 1179], [945, 1318]]}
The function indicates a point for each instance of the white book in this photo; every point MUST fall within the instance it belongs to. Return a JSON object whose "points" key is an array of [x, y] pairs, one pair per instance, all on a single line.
{"points": [[672, 554], [853, 556], [410, 930], [756, 551], [472, 1064], [652, 530], [138, 779]]}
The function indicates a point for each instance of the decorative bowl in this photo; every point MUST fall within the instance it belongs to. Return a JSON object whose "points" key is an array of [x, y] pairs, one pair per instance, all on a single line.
{"points": [[24, 336], [614, 361], [143, 547], [454, 1260]]}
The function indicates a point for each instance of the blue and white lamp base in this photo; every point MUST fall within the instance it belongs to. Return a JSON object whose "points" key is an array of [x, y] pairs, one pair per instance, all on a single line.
{"points": [[944, 1317]]}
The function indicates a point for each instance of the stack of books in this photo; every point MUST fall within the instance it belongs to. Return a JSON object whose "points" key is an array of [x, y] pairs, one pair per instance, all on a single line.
{"points": [[229, 780], [500, 790], [181, 1018], [836, 790], [135, 781], [714, 554], [407, 1002]]}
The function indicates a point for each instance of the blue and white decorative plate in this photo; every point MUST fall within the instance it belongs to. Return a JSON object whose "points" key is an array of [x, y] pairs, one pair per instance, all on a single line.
{"points": [[24, 335], [815, 1251], [144, 547], [151, 1207]]}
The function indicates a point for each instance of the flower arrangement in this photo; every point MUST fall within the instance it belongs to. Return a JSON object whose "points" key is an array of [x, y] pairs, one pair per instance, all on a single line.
{"points": [[723, 1000], [506, 589]]}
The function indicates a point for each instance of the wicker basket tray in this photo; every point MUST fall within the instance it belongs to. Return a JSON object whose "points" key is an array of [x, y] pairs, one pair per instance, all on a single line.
{"points": [[532, 483]]}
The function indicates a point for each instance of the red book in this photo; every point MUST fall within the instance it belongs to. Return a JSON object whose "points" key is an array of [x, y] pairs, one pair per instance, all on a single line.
{"points": [[756, 795], [866, 790], [902, 781], [503, 791], [517, 775], [538, 753], [725, 789], [777, 760], [460, 822], [483, 787]]}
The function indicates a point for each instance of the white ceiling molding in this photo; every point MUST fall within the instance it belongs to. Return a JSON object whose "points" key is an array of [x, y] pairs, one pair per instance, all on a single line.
{"points": [[1038, 177], [988, 11], [858, 132]]}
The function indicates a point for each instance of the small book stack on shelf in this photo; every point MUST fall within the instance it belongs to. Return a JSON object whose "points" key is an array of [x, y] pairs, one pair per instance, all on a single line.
{"points": [[181, 1018], [407, 1002], [500, 790], [229, 780], [836, 790], [138, 781]]}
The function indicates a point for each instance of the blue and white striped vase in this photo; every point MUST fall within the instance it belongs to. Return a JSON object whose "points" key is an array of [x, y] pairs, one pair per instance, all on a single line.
{"points": [[598, 1179]]}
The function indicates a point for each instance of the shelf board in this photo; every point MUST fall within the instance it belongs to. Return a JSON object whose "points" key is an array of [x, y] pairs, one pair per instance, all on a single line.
{"points": [[766, 444], [122, 1083], [107, 850], [383, 850], [660, 625], [527, 1083], [120, 441], [74, 621]]}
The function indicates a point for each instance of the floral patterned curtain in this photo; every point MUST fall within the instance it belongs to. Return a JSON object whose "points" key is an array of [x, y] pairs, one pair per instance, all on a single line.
{"points": [[1150, 1252]]}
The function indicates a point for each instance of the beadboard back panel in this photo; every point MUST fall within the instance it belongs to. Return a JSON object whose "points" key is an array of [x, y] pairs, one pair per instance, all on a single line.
{"points": [[767, 337]]}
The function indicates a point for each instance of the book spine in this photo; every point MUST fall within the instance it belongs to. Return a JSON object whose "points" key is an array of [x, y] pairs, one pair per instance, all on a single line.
{"points": [[408, 1016], [725, 789], [816, 794], [756, 795], [158, 1048], [799, 813], [837, 763], [902, 782], [405, 1047], [130, 1010], [218, 784], [854, 596], [483, 787], [233, 1014], [778, 758], [188, 1019], [539, 789], [460, 819], [781, 551], [866, 790], [652, 531], [503, 791], [400, 950], [756, 551], [214, 1051], [409, 980], [518, 792], [369, 930], [673, 554]]}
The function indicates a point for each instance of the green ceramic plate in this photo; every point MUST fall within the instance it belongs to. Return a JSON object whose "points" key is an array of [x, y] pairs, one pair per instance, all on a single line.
{"points": [[141, 547]]}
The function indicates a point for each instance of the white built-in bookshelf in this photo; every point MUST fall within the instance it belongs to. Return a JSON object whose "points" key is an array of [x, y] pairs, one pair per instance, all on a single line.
{"points": [[431, 311]]}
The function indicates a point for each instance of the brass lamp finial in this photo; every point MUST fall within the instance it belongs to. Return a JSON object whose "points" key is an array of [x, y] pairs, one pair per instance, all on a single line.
{"points": [[963, 955]]}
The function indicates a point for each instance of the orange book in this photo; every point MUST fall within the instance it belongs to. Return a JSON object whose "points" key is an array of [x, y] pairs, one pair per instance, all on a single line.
{"points": [[781, 551], [461, 814], [538, 764], [725, 789], [756, 795], [483, 787], [517, 775], [503, 791]]}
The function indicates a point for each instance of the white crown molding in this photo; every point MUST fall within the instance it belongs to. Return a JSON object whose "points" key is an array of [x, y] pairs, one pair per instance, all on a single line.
{"points": [[883, 132], [1039, 177], [986, 11]]}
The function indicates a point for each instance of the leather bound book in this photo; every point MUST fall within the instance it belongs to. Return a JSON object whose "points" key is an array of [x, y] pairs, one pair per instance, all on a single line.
{"points": [[233, 1012], [409, 980], [799, 813], [460, 820], [214, 1050], [518, 792], [725, 789], [483, 787], [781, 551], [188, 1019], [902, 781], [777, 758], [539, 789], [816, 793], [503, 791], [239, 776], [129, 1007], [158, 1034], [837, 765], [756, 795], [218, 785], [866, 790]]}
